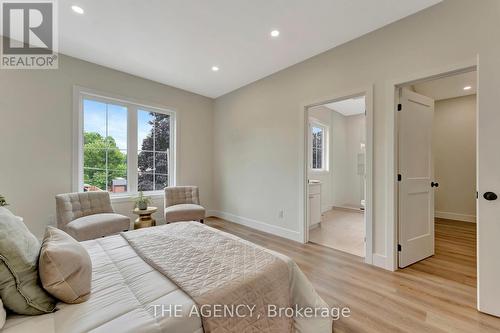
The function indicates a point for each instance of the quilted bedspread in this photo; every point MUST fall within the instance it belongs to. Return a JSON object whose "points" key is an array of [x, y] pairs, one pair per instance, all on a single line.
{"points": [[219, 271], [127, 291]]}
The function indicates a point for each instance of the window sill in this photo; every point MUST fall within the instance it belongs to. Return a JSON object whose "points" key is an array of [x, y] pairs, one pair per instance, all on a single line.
{"points": [[319, 171], [129, 197]]}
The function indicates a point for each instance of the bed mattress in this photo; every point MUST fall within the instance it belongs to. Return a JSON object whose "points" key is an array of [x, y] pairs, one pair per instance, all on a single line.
{"points": [[126, 292], [128, 295]]}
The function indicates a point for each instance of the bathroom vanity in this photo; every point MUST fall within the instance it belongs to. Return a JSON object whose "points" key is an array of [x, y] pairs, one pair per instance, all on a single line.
{"points": [[314, 203]]}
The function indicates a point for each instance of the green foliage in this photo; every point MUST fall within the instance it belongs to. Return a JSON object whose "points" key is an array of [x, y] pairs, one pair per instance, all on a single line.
{"points": [[159, 140], [3, 202], [142, 200], [96, 150]]}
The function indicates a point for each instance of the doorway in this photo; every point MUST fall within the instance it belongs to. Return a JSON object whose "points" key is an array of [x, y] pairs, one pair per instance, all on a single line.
{"points": [[338, 164], [436, 163]]}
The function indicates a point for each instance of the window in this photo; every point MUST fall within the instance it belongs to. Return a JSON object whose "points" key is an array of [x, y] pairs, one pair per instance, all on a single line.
{"points": [[104, 146], [318, 146], [123, 147], [153, 133]]}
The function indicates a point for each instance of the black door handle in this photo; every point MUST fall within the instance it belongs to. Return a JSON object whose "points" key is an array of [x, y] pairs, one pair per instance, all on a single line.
{"points": [[490, 196], [434, 184]]}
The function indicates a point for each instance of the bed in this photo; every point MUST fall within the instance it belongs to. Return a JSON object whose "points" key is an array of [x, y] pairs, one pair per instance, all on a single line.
{"points": [[130, 295]]}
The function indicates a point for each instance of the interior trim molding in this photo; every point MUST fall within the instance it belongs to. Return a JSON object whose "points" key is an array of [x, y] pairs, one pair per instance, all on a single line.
{"points": [[257, 225], [379, 260], [325, 208], [303, 169], [348, 209], [455, 216], [391, 100]]}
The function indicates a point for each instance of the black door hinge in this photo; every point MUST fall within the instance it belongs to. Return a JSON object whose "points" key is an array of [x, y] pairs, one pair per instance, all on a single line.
{"points": [[399, 177], [400, 107], [477, 195], [399, 247]]}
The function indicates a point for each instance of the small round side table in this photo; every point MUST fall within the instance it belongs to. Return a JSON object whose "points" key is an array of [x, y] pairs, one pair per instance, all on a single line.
{"points": [[144, 220]]}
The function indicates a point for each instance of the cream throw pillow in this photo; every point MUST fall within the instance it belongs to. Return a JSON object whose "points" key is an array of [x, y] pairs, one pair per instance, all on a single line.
{"points": [[65, 267], [3, 315], [20, 287]]}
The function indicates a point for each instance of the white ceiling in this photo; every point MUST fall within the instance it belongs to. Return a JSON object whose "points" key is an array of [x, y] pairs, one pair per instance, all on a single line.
{"points": [[176, 42], [448, 87], [348, 107]]}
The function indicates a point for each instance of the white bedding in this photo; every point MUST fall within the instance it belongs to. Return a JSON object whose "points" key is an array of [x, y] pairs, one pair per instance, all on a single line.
{"points": [[126, 290]]}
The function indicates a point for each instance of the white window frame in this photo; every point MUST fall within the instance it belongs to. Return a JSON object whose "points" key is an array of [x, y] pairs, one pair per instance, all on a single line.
{"points": [[79, 94], [326, 144]]}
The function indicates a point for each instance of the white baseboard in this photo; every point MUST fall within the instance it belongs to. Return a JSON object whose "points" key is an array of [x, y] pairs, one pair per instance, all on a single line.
{"points": [[258, 225], [455, 216], [325, 208], [314, 226], [348, 208], [379, 260]]}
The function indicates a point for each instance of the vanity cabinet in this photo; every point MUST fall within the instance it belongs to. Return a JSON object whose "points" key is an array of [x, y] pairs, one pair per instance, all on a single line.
{"points": [[314, 204]]}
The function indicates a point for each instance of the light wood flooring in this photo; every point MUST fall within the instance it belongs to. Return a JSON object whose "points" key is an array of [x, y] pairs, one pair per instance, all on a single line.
{"points": [[341, 229], [434, 295]]}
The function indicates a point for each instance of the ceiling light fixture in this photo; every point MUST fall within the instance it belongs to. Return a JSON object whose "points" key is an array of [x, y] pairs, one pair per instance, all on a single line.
{"points": [[215, 68], [275, 33], [78, 10], [467, 88]]}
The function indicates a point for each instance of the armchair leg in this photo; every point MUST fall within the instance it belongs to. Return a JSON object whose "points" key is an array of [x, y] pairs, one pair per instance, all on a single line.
{"points": [[201, 221]]}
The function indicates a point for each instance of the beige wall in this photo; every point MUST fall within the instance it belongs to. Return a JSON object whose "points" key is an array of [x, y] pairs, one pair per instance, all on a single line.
{"points": [[36, 133], [353, 183], [338, 159], [260, 126], [454, 150], [346, 134]]}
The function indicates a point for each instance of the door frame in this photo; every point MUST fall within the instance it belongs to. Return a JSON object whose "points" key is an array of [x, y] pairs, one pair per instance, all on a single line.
{"points": [[392, 98], [366, 91]]}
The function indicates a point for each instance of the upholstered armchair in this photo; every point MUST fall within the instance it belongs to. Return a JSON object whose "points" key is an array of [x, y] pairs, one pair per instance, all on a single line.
{"points": [[88, 215], [182, 203]]}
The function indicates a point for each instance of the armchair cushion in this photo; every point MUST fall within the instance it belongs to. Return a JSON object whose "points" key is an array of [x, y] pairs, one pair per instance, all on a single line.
{"points": [[181, 195], [184, 212], [97, 225], [71, 206]]}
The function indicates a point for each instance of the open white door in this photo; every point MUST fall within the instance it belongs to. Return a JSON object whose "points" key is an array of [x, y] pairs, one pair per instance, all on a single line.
{"points": [[415, 178], [488, 185]]}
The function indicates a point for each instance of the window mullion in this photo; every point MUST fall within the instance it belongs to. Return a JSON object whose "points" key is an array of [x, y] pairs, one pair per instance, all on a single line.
{"points": [[106, 147], [154, 152], [172, 152], [132, 145]]}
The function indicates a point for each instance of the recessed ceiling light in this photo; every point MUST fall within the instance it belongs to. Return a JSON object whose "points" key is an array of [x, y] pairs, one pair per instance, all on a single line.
{"points": [[215, 68], [467, 88], [78, 10], [275, 33]]}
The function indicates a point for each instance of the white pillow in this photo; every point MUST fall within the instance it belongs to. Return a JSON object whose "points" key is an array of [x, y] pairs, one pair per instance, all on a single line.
{"points": [[3, 314]]}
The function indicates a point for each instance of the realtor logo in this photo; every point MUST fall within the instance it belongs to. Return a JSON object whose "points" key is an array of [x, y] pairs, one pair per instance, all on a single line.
{"points": [[29, 35]]}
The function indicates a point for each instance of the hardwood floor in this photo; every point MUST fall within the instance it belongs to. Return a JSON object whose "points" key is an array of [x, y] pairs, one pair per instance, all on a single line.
{"points": [[434, 295]]}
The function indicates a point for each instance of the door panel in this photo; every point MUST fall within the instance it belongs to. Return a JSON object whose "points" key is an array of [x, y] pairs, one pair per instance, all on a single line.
{"points": [[416, 196], [488, 180]]}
